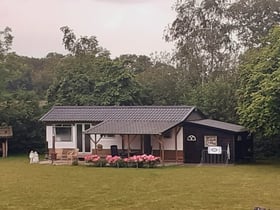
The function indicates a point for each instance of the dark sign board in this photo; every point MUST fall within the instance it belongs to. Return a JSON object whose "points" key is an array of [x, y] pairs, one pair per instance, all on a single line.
{"points": [[6, 132]]}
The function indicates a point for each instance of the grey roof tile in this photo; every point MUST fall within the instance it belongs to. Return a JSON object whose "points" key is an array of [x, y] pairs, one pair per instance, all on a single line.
{"points": [[131, 127], [220, 125], [102, 113]]}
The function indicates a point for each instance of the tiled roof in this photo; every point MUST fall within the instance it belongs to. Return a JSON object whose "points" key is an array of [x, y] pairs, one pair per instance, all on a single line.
{"points": [[220, 125], [132, 127], [122, 113]]}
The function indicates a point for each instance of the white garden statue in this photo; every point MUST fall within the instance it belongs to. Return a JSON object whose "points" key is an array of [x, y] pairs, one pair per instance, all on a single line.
{"points": [[36, 157], [31, 157]]}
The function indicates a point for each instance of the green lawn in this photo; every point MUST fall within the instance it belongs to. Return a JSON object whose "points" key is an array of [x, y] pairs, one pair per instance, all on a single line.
{"points": [[25, 186]]}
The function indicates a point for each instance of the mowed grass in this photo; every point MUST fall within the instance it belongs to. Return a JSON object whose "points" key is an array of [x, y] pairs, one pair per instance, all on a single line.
{"points": [[25, 186]]}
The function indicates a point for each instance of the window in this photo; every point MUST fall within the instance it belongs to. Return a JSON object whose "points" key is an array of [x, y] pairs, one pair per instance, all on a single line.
{"points": [[191, 138], [63, 133]]}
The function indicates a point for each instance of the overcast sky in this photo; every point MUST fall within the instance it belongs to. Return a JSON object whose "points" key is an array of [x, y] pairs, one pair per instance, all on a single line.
{"points": [[121, 26]]}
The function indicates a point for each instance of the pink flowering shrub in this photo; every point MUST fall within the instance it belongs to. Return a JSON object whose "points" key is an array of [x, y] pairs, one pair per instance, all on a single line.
{"points": [[115, 161], [140, 161], [95, 160]]}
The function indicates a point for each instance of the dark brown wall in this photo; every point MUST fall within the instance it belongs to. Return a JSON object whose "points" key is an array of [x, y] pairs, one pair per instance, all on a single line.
{"points": [[192, 150]]}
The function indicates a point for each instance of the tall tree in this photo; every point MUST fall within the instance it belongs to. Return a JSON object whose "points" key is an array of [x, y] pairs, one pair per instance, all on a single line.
{"points": [[81, 46], [202, 35], [252, 19], [259, 91], [90, 77], [6, 40], [160, 83]]}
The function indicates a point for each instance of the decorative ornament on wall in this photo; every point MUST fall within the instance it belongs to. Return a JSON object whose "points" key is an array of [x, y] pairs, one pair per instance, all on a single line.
{"points": [[191, 138]]}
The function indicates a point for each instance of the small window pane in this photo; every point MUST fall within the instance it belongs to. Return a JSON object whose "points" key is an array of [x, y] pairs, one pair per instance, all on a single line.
{"points": [[63, 134]]}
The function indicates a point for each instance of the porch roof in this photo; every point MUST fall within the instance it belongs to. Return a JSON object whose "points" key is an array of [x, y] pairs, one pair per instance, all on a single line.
{"points": [[220, 125], [131, 127]]}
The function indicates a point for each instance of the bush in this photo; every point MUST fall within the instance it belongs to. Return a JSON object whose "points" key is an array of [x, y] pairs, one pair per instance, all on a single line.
{"points": [[136, 161]]}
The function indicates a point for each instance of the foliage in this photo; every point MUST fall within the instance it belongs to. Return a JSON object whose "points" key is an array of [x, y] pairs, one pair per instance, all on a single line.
{"points": [[252, 19], [201, 32], [210, 34], [259, 91], [90, 77], [217, 99], [88, 80], [6, 40], [136, 64], [160, 83], [21, 111], [81, 46]]}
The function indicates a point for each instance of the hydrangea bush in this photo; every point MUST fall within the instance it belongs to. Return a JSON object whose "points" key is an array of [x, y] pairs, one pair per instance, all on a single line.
{"points": [[136, 161]]}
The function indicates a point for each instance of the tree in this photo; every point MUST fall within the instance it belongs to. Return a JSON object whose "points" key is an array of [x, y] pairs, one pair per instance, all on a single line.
{"points": [[210, 34], [259, 91], [136, 64], [83, 45], [216, 99], [6, 40], [252, 19], [202, 35], [90, 77], [159, 82]]}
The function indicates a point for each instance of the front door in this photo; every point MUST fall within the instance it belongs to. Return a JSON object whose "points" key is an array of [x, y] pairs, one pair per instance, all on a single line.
{"points": [[83, 141], [147, 145], [192, 148]]}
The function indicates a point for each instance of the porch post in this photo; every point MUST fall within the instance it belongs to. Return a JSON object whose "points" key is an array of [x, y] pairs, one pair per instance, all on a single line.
{"points": [[233, 150], [142, 144], [95, 142], [3, 149], [176, 148], [161, 151], [176, 142], [53, 155], [6, 154], [122, 142], [128, 146]]}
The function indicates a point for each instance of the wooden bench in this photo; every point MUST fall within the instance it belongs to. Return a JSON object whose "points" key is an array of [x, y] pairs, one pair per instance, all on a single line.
{"points": [[66, 153]]}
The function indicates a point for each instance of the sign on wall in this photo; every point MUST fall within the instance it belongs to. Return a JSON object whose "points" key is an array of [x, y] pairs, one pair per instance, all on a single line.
{"points": [[217, 150], [210, 141]]}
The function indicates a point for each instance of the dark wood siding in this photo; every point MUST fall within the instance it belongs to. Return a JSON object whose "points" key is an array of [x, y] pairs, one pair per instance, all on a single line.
{"points": [[193, 149]]}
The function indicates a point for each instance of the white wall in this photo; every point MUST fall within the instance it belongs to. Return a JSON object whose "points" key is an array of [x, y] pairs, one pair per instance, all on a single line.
{"points": [[135, 142], [180, 139], [108, 141], [169, 143], [49, 136]]}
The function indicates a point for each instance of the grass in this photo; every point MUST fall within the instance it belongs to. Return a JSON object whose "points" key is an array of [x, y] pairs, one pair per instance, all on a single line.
{"points": [[25, 186]]}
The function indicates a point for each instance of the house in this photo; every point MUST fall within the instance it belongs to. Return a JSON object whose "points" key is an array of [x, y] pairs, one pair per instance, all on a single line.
{"points": [[175, 133]]}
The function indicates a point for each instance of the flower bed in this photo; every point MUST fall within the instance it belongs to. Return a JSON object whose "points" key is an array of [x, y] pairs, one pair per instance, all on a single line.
{"points": [[136, 161]]}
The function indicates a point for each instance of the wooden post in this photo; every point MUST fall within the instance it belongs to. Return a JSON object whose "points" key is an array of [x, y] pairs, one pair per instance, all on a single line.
{"points": [[53, 154], [3, 149], [176, 148], [232, 151], [161, 144], [142, 143], [176, 142], [6, 154], [95, 144], [128, 146]]}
